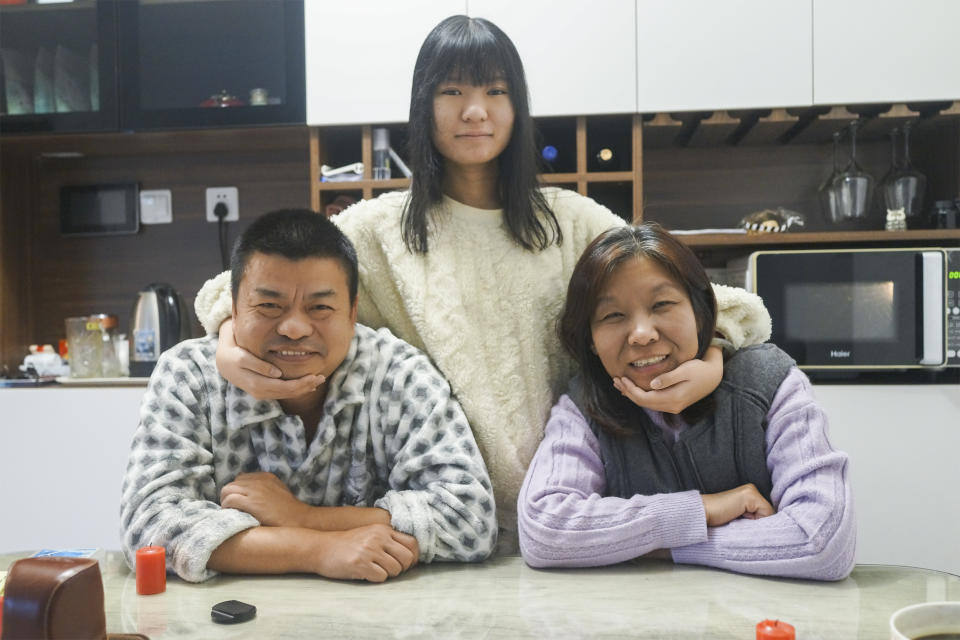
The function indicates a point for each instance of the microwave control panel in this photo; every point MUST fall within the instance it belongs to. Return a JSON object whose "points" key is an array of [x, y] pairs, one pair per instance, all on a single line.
{"points": [[953, 307]]}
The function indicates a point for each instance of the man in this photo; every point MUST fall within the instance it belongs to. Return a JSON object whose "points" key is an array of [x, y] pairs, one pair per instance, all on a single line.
{"points": [[372, 471]]}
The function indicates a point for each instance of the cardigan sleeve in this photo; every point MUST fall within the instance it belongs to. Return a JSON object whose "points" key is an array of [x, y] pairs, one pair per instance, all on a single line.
{"points": [[214, 302], [563, 520], [742, 318], [813, 533]]}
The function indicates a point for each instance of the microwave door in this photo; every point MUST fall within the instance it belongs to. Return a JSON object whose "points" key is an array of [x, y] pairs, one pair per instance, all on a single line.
{"points": [[855, 309], [933, 317]]}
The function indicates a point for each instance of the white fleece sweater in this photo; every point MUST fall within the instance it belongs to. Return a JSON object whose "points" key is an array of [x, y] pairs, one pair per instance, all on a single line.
{"points": [[485, 310]]}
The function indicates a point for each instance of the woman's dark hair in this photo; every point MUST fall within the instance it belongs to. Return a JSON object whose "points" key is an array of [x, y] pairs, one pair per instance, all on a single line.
{"points": [[475, 50], [603, 403], [294, 234]]}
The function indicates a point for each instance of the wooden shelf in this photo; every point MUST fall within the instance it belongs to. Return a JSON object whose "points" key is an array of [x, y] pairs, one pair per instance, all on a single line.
{"points": [[799, 125], [365, 185], [709, 180], [918, 236]]}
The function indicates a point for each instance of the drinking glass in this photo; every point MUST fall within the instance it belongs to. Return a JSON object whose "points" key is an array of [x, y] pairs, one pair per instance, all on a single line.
{"points": [[854, 185], [903, 185], [828, 193]]}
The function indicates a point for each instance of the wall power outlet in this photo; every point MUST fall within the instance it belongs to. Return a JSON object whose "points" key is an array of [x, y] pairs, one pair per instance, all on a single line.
{"points": [[229, 196]]}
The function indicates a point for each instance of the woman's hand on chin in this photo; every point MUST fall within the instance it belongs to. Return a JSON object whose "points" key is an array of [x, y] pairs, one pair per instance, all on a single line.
{"points": [[675, 390], [255, 376]]}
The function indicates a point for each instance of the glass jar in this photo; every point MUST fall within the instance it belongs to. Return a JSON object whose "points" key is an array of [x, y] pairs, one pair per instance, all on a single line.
{"points": [[91, 341]]}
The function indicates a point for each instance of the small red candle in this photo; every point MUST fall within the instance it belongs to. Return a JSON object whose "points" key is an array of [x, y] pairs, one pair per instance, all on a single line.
{"points": [[151, 570], [775, 630]]}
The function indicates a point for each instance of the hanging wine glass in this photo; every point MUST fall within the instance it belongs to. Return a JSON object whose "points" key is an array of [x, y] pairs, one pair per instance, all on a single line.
{"points": [[827, 193], [854, 185], [896, 219], [904, 186]]}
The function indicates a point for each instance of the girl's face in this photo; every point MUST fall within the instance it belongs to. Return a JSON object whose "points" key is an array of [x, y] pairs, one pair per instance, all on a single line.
{"points": [[472, 124], [644, 323]]}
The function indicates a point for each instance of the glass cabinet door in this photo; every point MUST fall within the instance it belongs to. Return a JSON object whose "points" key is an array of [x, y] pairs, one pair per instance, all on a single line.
{"points": [[202, 63], [58, 70]]}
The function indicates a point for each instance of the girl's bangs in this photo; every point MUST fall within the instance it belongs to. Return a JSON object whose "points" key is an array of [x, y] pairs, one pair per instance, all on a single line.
{"points": [[478, 61]]}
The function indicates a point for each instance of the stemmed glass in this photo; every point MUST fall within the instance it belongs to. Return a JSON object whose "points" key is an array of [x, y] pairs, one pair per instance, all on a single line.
{"points": [[854, 185], [828, 193], [903, 185]]}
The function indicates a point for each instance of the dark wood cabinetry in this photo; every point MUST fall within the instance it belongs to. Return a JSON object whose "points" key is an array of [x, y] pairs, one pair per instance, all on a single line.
{"points": [[108, 65]]}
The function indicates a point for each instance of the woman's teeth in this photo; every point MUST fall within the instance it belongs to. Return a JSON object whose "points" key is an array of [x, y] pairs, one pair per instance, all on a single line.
{"points": [[293, 353], [647, 361]]}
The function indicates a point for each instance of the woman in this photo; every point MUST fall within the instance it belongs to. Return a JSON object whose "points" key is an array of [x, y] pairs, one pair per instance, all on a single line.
{"points": [[471, 264], [745, 480]]}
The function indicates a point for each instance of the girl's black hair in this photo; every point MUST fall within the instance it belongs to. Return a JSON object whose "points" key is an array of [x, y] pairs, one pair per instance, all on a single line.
{"points": [[475, 50], [604, 404]]}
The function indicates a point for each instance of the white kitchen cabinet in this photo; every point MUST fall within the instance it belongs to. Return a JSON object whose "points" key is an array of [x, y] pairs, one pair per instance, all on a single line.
{"points": [[360, 56], [64, 453], [903, 444], [885, 51], [579, 57], [706, 55]]}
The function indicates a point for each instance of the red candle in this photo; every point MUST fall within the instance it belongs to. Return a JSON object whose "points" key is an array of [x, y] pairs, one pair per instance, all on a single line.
{"points": [[151, 570], [775, 630]]}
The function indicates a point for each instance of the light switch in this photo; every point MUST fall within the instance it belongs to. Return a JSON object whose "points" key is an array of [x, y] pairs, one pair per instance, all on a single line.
{"points": [[156, 207]]}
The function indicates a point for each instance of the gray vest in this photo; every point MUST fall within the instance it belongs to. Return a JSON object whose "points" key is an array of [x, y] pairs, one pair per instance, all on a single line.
{"points": [[723, 450]]}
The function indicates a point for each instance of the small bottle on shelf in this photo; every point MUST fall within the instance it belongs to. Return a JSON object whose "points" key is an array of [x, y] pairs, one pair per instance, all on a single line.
{"points": [[604, 159], [381, 154]]}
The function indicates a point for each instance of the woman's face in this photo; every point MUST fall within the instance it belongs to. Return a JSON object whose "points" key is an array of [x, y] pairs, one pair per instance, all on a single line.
{"points": [[644, 323], [472, 124]]}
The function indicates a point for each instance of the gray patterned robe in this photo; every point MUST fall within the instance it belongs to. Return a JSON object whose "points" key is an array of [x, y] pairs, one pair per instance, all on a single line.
{"points": [[392, 436]]}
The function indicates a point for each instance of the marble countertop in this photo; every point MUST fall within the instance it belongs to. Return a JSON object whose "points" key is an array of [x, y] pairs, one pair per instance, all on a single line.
{"points": [[504, 598]]}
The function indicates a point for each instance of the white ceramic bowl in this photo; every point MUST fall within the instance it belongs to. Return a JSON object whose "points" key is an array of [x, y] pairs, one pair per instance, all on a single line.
{"points": [[928, 618]]}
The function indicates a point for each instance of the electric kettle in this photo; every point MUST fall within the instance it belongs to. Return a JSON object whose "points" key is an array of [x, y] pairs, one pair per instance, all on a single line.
{"points": [[158, 321]]}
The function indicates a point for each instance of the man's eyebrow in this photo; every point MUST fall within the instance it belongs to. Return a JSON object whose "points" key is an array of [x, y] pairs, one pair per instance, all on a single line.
{"points": [[267, 293], [271, 293]]}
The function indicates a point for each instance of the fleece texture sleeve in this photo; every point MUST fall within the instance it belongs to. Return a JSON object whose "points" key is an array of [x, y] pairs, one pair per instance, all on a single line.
{"points": [[564, 521], [440, 490], [169, 495]]}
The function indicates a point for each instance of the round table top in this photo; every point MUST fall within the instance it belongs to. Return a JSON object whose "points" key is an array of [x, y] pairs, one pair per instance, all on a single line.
{"points": [[504, 598]]}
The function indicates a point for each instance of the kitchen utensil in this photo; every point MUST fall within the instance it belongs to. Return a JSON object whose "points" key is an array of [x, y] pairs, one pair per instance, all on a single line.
{"points": [[159, 320]]}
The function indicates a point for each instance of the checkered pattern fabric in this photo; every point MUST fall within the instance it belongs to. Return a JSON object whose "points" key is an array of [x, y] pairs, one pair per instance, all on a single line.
{"points": [[392, 436]]}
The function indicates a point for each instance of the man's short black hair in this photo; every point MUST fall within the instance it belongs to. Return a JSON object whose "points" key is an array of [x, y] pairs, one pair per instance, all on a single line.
{"points": [[294, 234]]}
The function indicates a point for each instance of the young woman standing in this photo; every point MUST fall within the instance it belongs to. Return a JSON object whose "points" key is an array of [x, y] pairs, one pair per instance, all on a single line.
{"points": [[471, 264]]}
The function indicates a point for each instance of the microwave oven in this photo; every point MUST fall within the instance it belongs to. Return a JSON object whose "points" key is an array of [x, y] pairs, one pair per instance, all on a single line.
{"points": [[862, 309]]}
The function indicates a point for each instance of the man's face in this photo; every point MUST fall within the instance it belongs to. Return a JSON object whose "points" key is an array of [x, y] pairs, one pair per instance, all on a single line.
{"points": [[295, 314]]}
